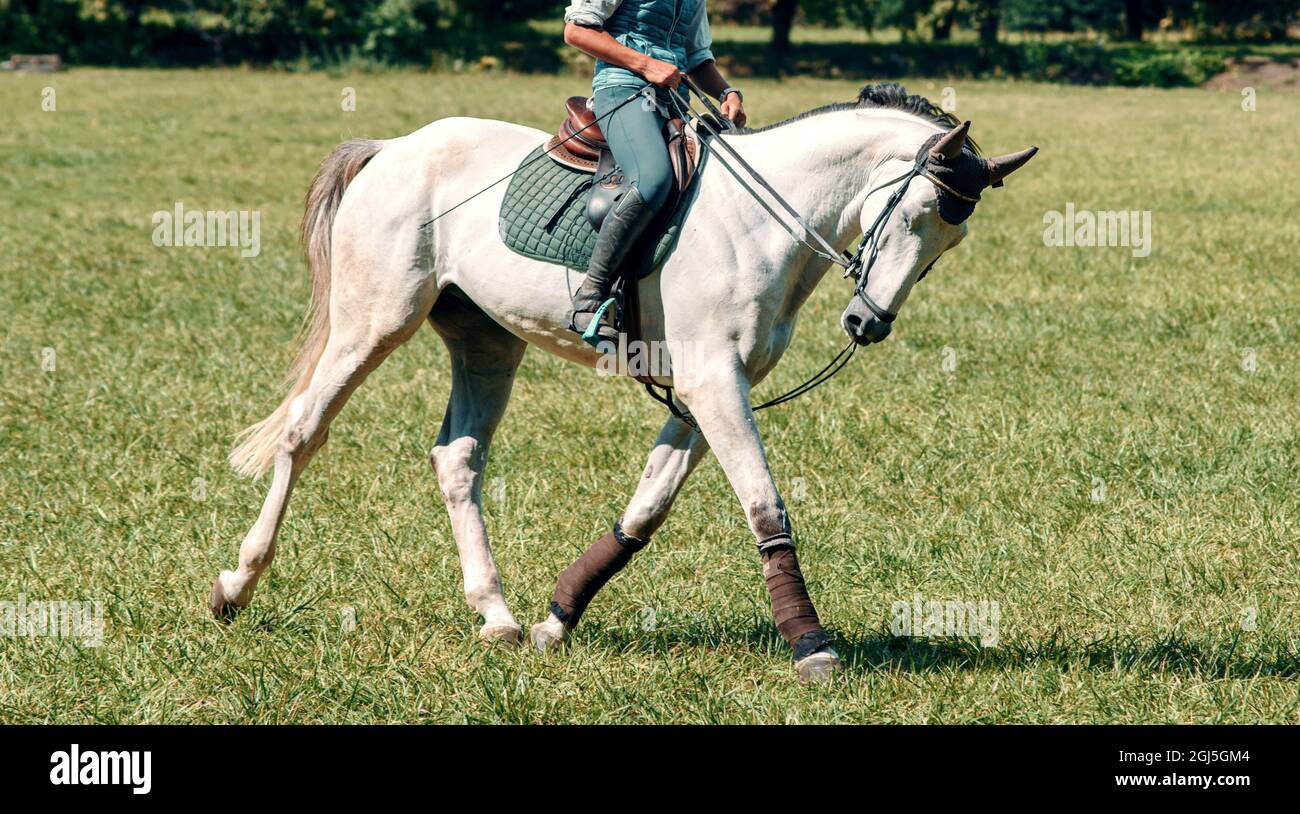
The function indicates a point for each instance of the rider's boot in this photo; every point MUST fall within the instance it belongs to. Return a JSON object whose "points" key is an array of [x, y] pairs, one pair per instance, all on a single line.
{"points": [[591, 315]]}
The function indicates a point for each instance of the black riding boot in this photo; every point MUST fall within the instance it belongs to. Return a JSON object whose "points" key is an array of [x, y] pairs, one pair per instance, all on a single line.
{"points": [[623, 225]]}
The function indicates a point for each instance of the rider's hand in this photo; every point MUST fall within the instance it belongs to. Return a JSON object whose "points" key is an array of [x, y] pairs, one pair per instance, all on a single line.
{"points": [[663, 74], [733, 108]]}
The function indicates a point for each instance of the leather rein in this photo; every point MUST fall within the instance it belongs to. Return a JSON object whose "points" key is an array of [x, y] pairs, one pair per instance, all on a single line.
{"points": [[853, 264]]}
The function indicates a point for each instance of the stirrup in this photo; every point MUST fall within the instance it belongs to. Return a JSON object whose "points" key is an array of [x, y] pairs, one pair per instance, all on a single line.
{"points": [[592, 335]]}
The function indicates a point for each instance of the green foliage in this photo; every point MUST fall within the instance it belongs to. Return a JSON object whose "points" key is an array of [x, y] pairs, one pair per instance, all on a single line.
{"points": [[1165, 68], [1207, 19], [1079, 62], [398, 30], [1074, 61], [312, 32], [1094, 63], [446, 32], [1227, 20], [1053, 15]]}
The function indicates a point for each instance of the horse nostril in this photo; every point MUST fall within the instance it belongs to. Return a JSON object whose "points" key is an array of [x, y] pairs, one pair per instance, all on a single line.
{"points": [[857, 327]]}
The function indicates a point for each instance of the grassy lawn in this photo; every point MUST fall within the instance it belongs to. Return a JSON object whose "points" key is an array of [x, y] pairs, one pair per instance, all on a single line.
{"points": [[1104, 461]]}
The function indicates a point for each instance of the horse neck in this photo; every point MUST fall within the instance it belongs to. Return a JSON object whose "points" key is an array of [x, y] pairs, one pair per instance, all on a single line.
{"points": [[823, 165]]}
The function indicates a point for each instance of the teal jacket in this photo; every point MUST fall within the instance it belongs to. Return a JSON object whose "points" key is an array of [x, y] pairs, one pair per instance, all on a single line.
{"points": [[675, 31]]}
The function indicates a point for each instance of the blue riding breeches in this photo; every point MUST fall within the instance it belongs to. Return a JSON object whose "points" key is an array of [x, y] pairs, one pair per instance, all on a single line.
{"points": [[635, 136]]}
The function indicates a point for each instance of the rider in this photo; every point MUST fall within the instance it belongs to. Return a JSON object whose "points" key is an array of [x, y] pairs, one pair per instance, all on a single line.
{"points": [[635, 42]]}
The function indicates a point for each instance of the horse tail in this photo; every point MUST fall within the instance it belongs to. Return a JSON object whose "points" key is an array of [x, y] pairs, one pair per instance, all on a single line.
{"points": [[257, 445]]}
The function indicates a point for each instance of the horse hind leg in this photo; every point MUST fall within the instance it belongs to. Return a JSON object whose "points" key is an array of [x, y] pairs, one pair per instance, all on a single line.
{"points": [[358, 341], [349, 356], [484, 358]]}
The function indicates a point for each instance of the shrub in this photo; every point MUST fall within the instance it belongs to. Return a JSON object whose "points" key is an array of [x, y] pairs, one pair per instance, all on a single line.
{"points": [[1186, 67]]}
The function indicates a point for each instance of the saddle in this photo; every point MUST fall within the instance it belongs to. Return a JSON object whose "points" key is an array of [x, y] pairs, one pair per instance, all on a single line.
{"points": [[579, 145], [552, 210]]}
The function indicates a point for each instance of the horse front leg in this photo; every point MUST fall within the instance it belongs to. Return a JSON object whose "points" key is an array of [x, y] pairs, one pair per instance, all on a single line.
{"points": [[720, 403], [676, 452]]}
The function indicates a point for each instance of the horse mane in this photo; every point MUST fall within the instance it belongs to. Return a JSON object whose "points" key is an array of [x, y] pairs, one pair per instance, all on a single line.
{"points": [[882, 95]]}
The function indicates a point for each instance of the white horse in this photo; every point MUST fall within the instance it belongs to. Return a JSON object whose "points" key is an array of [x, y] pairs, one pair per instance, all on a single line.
{"points": [[730, 290]]}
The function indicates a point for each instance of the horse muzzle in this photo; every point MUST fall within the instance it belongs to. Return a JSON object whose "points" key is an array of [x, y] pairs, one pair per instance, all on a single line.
{"points": [[862, 326]]}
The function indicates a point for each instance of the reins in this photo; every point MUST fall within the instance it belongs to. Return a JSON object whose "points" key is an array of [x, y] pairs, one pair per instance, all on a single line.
{"points": [[852, 264], [827, 251]]}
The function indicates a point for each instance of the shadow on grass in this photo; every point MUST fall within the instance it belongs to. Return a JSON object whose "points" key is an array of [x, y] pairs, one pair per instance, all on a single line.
{"points": [[881, 650], [1171, 654]]}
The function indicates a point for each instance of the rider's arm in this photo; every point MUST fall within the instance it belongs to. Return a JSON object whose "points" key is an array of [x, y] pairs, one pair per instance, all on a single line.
{"points": [[704, 71], [709, 78], [583, 30]]}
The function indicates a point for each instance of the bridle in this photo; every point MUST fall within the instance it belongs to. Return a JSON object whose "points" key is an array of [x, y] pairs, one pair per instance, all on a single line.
{"points": [[853, 264], [859, 270]]}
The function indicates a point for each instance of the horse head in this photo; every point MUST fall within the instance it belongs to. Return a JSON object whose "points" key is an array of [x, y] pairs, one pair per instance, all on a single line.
{"points": [[910, 219]]}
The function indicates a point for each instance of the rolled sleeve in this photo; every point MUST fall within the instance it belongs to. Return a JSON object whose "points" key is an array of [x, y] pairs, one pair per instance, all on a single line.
{"points": [[698, 48], [590, 12]]}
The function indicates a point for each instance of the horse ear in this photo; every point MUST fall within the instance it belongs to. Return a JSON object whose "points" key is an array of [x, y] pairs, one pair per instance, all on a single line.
{"points": [[1003, 165], [949, 147]]}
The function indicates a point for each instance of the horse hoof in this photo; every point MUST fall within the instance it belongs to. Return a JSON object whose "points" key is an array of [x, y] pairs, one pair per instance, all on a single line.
{"points": [[820, 666], [223, 609], [548, 635], [503, 634]]}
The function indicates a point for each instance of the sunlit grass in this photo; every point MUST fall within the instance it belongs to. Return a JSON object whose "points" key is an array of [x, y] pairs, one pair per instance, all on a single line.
{"points": [[1172, 598]]}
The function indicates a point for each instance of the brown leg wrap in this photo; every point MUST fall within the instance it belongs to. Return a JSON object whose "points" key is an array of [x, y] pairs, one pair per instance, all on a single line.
{"points": [[792, 608], [579, 583]]}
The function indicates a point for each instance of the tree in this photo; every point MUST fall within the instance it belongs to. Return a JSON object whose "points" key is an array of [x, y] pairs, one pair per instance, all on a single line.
{"points": [[783, 12], [1133, 19], [990, 19], [941, 26]]}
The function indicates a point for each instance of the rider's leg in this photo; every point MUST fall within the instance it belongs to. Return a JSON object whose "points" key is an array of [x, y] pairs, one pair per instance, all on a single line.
{"points": [[635, 136]]}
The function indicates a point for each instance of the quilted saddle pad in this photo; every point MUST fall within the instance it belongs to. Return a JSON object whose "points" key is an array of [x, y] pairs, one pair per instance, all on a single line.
{"points": [[544, 216]]}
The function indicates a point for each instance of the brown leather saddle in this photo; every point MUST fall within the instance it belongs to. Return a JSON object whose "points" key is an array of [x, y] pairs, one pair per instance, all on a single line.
{"points": [[581, 146]]}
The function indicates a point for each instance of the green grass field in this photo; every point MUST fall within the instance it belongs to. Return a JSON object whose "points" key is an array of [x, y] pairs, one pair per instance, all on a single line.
{"points": [[1078, 371]]}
